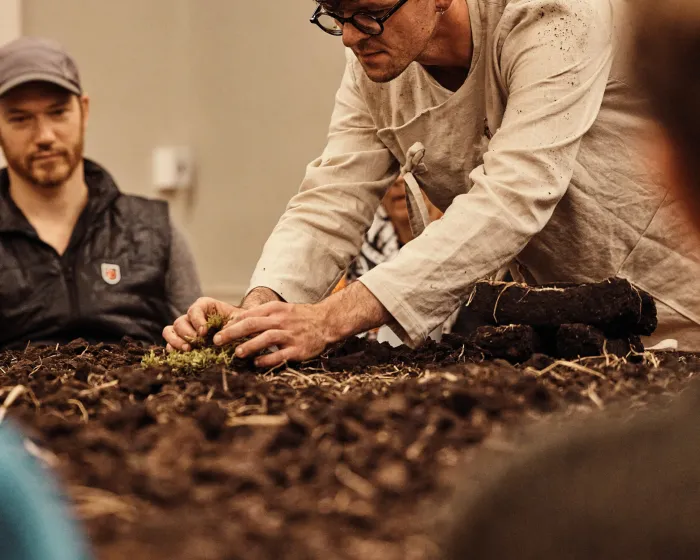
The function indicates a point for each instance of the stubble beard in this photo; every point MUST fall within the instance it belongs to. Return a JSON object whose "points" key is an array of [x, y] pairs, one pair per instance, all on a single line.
{"points": [[46, 174]]}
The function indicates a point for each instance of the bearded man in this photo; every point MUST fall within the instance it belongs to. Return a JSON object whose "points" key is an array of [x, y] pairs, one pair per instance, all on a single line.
{"points": [[77, 257]]}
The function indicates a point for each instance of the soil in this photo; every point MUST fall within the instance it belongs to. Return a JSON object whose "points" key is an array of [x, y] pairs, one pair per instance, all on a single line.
{"points": [[578, 340], [351, 456]]}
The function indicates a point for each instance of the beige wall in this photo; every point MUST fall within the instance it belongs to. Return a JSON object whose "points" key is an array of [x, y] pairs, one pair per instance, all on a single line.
{"points": [[10, 28], [10, 21], [248, 85]]}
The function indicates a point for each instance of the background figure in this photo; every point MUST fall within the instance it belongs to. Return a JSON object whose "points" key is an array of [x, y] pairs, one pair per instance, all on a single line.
{"points": [[389, 232]]}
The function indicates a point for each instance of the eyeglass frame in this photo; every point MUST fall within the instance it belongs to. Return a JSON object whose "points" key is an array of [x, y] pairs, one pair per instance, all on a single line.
{"points": [[343, 20]]}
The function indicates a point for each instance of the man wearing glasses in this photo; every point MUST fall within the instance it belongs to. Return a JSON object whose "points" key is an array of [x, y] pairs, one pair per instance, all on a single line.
{"points": [[517, 120]]}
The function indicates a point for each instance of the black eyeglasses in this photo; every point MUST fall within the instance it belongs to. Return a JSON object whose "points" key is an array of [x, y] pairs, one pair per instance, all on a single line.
{"points": [[365, 22]]}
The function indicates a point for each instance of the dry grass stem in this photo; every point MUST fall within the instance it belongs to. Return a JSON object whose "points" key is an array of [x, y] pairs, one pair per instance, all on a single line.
{"points": [[42, 454], [81, 407], [98, 388], [224, 381], [91, 503], [591, 393], [355, 482], [571, 365], [258, 420], [16, 391]]}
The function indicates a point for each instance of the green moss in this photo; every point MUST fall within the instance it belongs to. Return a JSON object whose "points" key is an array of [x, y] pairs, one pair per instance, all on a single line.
{"points": [[215, 323], [204, 353], [188, 362]]}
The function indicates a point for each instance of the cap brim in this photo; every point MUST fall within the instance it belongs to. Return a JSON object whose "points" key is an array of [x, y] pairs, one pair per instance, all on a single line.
{"points": [[39, 77]]}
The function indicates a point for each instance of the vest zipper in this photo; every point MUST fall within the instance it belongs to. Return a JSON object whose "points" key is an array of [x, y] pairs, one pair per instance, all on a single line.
{"points": [[74, 302]]}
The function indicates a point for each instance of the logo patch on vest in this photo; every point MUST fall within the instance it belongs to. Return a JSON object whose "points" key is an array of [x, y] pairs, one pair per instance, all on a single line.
{"points": [[111, 273]]}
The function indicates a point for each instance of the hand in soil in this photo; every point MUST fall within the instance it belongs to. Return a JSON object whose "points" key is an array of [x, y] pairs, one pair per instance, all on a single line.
{"points": [[299, 332], [194, 325]]}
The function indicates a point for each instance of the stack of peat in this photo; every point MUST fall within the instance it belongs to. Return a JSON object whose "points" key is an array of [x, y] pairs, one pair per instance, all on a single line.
{"points": [[564, 321]]}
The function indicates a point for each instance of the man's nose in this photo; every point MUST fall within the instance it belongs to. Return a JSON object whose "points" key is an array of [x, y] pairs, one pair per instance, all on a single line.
{"points": [[44, 132], [352, 35]]}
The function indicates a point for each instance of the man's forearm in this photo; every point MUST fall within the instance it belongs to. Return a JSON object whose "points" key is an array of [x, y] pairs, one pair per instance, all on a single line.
{"points": [[352, 311], [259, 296]]}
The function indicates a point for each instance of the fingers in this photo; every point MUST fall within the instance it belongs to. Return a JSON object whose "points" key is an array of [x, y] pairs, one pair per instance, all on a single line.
{"points": [[175, 342], [197, 315], [233, 316], [205, 307], [276, 358], [264, 310], [244, 328], [183, 328], [263, 342]]}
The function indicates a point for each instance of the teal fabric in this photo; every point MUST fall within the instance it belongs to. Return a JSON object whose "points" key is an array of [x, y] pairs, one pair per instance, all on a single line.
{"points": [[34, 521]]}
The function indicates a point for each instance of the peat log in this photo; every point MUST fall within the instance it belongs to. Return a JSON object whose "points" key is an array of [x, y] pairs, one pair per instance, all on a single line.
{"points": [[578, 341], [648, 321], [515, 343], [614, 305]]}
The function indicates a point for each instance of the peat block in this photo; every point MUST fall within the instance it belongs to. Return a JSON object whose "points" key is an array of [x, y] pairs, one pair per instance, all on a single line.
{"points": [[515, 343], [518, 343], [579, 341], [614, 306]]}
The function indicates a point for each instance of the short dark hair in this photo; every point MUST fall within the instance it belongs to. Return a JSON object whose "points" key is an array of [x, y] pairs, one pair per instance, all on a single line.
{"points": [[330, 5]]}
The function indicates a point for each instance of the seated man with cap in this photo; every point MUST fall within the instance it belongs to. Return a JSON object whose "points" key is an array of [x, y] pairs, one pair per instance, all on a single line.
{"points": [[78, 259]]}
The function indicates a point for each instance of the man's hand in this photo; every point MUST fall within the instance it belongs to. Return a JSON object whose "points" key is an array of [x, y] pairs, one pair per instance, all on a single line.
{"points": [[301, 332], [194, 323], [298, 331]]}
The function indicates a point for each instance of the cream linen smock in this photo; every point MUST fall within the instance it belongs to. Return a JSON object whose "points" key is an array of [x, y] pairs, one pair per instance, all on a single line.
{"points": [[534, 160]]}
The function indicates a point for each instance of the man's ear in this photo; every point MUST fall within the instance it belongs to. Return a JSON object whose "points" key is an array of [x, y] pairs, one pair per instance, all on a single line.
{"points": [[84, 101]]}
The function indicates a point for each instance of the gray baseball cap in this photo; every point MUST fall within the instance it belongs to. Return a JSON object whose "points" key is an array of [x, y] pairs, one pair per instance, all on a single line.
{"points": [[34, 59]]}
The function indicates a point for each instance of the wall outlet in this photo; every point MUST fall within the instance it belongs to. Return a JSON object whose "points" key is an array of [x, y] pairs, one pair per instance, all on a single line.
{"points": [[173, 168]]}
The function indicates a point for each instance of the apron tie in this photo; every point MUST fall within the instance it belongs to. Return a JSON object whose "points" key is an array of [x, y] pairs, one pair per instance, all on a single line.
{"points": [[418, 216]]}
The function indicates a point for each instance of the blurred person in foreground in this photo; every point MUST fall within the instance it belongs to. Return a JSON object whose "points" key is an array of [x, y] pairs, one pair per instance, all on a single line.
{"points": [[77, 257], [603, 488], [518, 121], [610, 489], [667, 42]]}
